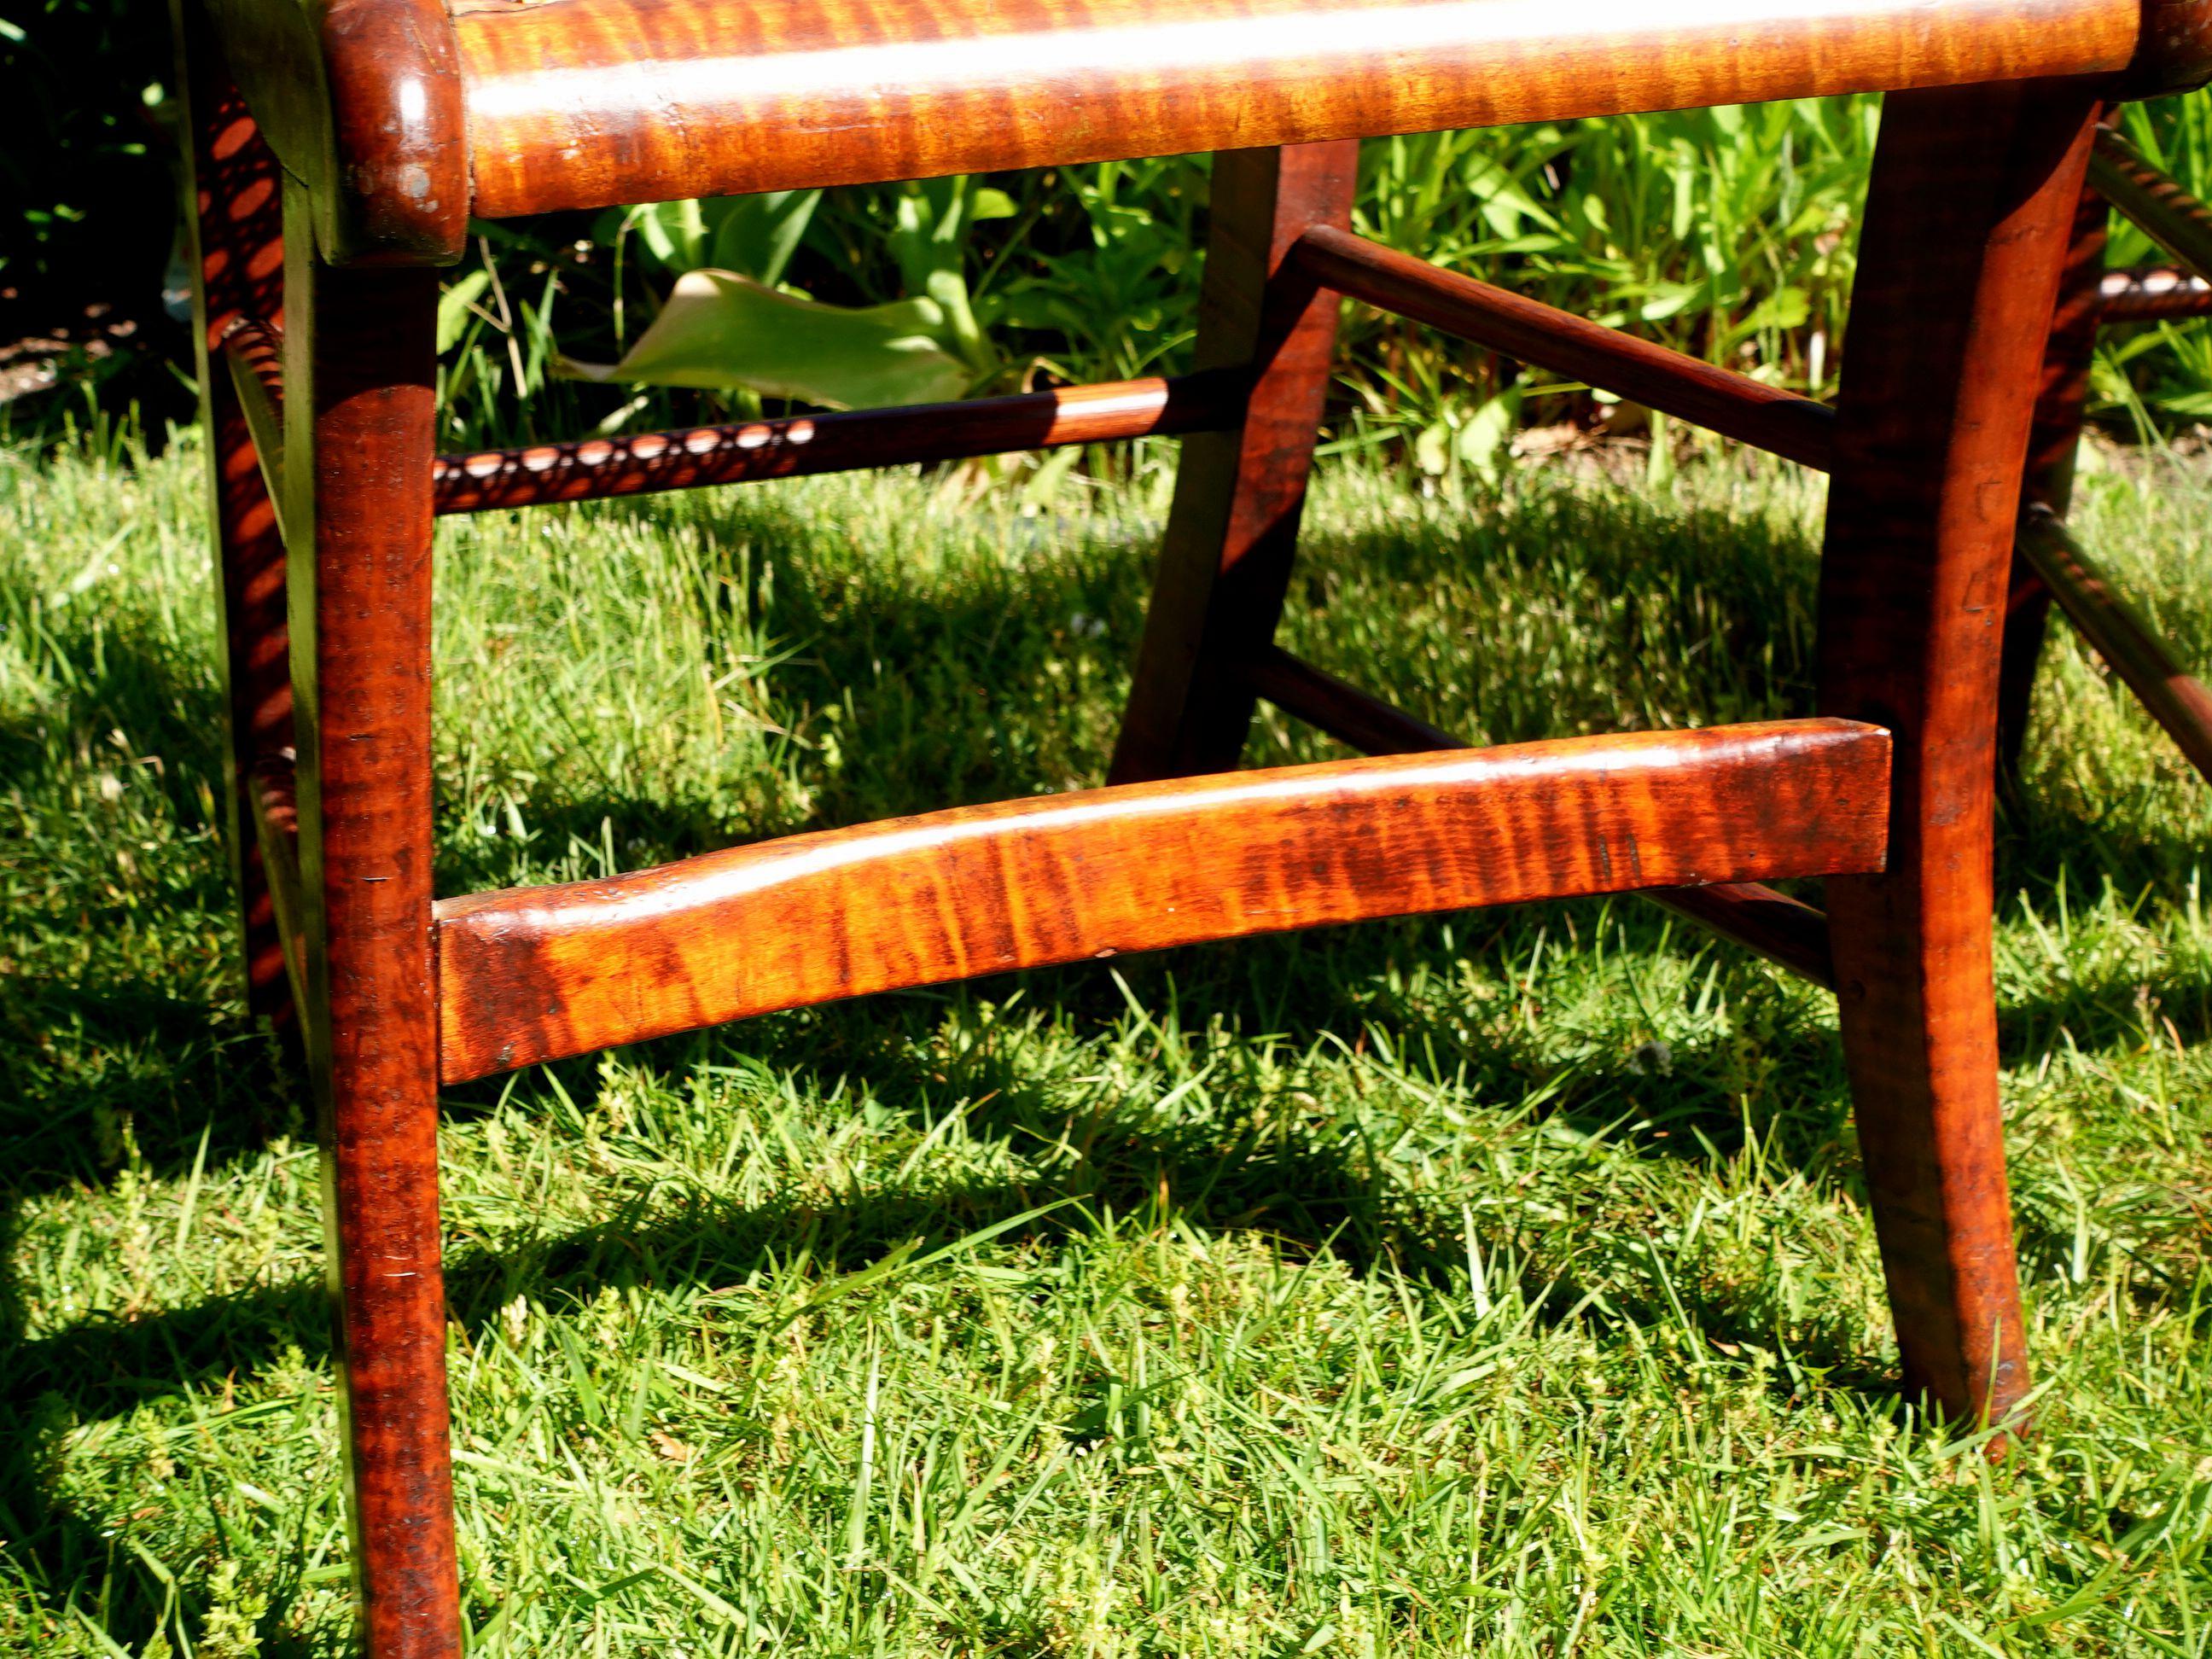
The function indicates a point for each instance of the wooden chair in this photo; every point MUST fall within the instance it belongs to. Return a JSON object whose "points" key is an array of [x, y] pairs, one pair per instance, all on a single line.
{"points": [[339, 148]]}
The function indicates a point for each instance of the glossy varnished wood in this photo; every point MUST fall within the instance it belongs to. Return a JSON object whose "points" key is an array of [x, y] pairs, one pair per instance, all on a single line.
{"points": [[1967, 224], [1789, 933], [360, 408], [2177, 699], [586, 103], [2158, 205], [360, 100], [644, 462], [234, 224], [1232, 530], [2152, 293], [537, 973], [1735, 405]]}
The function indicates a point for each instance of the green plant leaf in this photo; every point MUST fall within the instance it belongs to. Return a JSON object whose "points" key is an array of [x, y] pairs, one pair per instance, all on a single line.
{"points": [[720, 330]]}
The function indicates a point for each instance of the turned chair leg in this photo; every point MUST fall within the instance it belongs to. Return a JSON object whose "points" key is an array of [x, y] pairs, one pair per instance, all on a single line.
{"points": [[360, 400], [1225, 562], [2053, 441], [1970, 208], [235, 222]]}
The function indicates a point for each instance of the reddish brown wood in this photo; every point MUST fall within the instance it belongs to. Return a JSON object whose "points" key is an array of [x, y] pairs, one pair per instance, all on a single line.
{"points": [[685, 459], [253, 354], [2159, 207], [2177, 700], [2054, 440], [1786, 933], [361, 101], [1732, 404], [586, 103], [236, 231], [2174, 53], [1968, 218], [2151, 294], [360, 407], [535, 974], [1226, 560]]}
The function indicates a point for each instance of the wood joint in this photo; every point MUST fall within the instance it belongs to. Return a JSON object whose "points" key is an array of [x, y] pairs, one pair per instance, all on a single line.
{"points": [[360, 100]]}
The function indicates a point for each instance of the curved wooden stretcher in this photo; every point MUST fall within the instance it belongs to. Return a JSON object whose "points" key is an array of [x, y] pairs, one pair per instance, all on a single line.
{"points": [[338, 149]]}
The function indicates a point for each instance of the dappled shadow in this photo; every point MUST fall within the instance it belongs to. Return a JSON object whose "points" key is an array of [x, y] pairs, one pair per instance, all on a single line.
{"points": [[188, 1089]]}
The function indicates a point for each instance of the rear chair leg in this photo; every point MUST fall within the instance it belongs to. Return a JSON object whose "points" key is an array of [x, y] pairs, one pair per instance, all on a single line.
{"points": [[1972, 205], [236, 228], [1225, 562], [2053, 442], [359, 425]]}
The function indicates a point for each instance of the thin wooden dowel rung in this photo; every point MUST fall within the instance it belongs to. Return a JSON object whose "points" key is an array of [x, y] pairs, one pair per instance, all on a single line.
{"points": [[2156, 204], [692, 457], [2152, 294], [538, 974], [2177, 699], [254, 353], [1790, 935], [1735, 405], [276, 833]]}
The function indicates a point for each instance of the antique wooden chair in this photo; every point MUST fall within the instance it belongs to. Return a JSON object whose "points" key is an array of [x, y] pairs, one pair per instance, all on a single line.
{"points": [[339, 148]]}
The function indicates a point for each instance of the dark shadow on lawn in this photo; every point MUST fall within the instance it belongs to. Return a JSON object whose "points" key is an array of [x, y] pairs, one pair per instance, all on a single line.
{"points": [[186, 1075]]}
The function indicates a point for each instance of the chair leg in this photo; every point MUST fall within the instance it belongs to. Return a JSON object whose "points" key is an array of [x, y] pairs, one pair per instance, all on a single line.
{"points": [[2053, 441], [235, 221], [1225, 562], [359, 411], [1972, 201]]}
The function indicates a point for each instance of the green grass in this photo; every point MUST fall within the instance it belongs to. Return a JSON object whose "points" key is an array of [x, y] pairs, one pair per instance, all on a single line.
{"points": [[1499, 1282]]}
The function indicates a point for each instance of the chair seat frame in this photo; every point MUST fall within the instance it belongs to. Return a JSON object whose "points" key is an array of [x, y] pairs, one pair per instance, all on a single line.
{"points": [[337, 149]]}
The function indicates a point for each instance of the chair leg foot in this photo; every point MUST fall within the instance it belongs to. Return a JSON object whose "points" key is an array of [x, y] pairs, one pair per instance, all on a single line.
{"points": [[1225, 562], [1972, 205]]}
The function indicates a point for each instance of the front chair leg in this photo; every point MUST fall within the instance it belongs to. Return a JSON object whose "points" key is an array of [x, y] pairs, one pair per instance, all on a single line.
{"points": [[1968, 218], [1225, 562], [359, 407]]}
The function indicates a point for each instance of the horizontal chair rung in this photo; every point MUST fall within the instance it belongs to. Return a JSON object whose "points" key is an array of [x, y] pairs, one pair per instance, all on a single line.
{"points": [[1791, 934], [2152, 296], [538, 974], [1732, 404], [2177, 700], [687, 458]]}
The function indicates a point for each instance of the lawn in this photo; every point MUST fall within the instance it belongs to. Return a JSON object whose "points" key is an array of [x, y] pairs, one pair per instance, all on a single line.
{"points": [[1498, 1283]]}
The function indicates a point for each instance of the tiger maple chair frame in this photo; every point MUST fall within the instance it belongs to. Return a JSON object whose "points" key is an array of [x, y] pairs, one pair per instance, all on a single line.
{"points": [[339, 148]]}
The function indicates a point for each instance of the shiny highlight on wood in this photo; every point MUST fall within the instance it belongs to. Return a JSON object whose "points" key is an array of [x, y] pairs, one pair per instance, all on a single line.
{"points": [[1734, 406], [592, 103], [538, 974], [1789, 934], [2152, 294], [2158, 206], [646, 463]]}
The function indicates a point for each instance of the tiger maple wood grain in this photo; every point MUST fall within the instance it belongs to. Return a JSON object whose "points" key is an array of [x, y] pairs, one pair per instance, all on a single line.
{"points": [[537, 973], [586, 103]]}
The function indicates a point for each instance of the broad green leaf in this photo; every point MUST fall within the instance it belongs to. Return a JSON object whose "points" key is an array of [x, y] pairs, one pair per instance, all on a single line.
{"points": [[721, 331]]}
